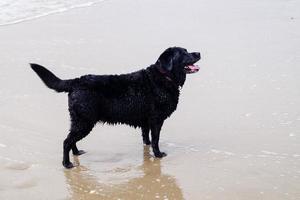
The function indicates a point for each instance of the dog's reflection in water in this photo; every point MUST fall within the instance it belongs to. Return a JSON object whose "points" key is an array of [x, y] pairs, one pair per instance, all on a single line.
{"points": [[153, 184]]}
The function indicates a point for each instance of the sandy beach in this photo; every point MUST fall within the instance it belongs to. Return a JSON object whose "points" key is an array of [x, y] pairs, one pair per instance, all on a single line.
{"points": [[234, 135]]}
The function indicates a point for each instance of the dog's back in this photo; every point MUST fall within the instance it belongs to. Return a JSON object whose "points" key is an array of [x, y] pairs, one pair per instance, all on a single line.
{"points": [[111, 99]]}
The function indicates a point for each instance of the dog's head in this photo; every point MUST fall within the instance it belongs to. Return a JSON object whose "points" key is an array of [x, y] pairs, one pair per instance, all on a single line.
{"points": [[176, 62]]}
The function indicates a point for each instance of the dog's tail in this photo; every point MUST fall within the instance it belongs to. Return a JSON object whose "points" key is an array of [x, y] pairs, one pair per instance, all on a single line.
{"points": [[51, 80]]}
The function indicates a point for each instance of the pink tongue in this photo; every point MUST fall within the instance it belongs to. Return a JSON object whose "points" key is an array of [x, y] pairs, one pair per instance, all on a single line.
{"points": [[194, 67]]}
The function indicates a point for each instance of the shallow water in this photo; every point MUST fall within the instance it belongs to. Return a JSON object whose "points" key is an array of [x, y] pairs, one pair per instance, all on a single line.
{"points": [[235, 134], [143, 181]]}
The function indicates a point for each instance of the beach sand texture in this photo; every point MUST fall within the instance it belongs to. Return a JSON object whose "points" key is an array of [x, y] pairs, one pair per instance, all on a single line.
{"points": [[236, 131]]}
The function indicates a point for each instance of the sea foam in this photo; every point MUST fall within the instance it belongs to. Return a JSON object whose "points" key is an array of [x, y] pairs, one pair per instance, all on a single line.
{"points": [[16, 11]]}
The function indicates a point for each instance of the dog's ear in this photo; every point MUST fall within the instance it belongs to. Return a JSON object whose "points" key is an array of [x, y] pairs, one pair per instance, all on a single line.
{"points": [[165, 60]]}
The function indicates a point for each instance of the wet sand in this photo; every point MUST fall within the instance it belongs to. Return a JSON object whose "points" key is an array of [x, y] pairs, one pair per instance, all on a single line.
{"points": [[235, 134]]}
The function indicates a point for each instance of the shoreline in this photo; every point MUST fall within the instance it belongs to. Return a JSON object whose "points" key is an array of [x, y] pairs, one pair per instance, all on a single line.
{"points": [[61, 10]]}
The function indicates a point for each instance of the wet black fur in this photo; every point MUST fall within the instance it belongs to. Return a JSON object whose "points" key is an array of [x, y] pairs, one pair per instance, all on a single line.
{"points": [[140, 99]]}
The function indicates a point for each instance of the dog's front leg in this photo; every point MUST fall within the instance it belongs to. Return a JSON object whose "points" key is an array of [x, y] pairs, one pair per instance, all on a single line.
{"points": [[145, 134], [155, 133]]}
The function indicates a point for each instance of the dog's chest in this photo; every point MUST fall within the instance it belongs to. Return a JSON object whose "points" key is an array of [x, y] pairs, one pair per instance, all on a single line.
{"points": [[166, 102]]}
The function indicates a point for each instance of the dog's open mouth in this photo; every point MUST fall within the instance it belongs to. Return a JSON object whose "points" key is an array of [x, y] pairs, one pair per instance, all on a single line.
{"points": [[190, 69]]}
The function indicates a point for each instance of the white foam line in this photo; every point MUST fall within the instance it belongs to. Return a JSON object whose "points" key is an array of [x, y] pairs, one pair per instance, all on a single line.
{"points": [[9, 159], [269, 152], [2, 145], [228, 153], [215, 151], [52, 12], [265, 153], [222, 152]]}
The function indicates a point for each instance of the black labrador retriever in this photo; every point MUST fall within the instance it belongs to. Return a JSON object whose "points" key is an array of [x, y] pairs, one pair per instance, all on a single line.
{"points": [[140, 99]]}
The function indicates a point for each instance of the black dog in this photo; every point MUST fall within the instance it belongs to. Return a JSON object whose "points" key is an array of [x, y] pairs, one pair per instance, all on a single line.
{"points": [[141, 99]]}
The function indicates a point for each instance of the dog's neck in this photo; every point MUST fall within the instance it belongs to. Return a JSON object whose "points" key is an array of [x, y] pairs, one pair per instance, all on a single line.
{"points": [[159, 74], [164, 73]]}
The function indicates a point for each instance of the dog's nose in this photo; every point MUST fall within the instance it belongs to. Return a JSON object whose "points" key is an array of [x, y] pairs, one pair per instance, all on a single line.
{"points": [[197, 55]]}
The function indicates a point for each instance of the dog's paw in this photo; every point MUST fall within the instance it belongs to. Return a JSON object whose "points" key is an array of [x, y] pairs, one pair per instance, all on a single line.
{"points": [[68, 165], [147, 142], [160, 154], [78, 153]]}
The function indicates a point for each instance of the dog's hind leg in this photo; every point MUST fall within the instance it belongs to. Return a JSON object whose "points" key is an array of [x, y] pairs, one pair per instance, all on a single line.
{"points": [[145, 134], [68, 143], [155, 133], [79, 129]]}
